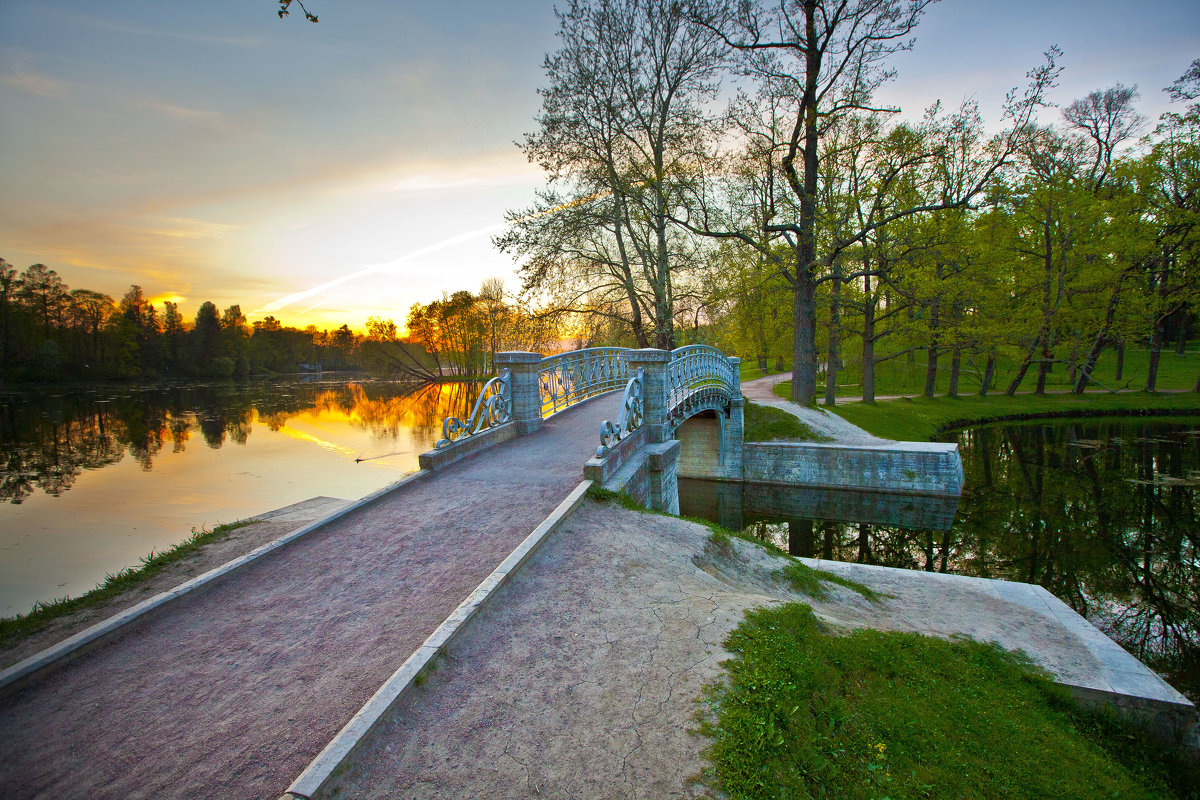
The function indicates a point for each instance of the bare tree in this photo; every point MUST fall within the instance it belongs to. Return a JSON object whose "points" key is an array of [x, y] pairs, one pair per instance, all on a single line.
{"points": [[1108, 119]]}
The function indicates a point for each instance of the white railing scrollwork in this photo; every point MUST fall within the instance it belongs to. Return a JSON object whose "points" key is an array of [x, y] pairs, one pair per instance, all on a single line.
{"points": [[572, 377], [632, 415], [698, 377], [494, 407]]}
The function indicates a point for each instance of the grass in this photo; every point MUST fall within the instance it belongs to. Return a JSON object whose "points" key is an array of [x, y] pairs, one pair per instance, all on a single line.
{"points": [[22, 625], [897, 376], [920, 418], [767, 424], [805, 712], [811, 582]]}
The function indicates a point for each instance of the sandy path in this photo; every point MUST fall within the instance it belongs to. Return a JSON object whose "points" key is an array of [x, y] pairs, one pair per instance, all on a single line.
{"points": [[231, 692], [580, 678], [823, 422]]}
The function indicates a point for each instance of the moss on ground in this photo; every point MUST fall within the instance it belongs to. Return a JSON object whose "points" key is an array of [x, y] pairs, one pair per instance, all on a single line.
{"points": [[808, 712]]}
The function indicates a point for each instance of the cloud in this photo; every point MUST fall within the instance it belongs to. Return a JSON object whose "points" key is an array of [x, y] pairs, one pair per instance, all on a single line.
{"points": [[158, 33], [37, 84]]}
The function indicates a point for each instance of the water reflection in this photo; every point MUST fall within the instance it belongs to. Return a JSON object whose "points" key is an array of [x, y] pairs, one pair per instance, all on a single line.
{"points": [[46, 442], [96, 479], [1104, 515]]}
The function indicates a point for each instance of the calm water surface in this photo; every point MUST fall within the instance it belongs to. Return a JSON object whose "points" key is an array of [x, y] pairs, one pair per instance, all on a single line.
{"points": [[1105, 515], [92, 480]]}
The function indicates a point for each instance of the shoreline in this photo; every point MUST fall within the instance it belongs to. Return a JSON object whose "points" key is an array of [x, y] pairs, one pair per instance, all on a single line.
{"points": [[51, 622]]}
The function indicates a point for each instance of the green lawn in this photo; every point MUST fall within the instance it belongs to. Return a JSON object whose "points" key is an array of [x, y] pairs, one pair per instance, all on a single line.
{"points": [[766, 424], [898, 376], [919, 419], [806, 712]]}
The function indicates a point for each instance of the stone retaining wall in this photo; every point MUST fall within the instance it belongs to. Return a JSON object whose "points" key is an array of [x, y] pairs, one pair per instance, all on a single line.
{"points": [[930, 468]]}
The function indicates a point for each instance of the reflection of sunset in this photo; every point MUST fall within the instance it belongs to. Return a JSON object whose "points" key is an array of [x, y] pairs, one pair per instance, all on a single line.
{"points": [[319, 442], [105, 477]]}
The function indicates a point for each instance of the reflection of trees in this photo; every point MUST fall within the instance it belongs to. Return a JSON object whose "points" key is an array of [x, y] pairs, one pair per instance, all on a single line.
{"points": [[47, 442], [1102, 515]]}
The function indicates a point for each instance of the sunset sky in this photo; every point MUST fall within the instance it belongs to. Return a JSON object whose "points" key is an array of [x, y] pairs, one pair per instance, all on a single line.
{"points": [[207, 150]]}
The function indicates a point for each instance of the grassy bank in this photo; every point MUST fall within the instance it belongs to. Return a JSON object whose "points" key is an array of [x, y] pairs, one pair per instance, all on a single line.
{"points": [[899, 376], [920, 418], [805, 712], [766, 424], [12, 628]]}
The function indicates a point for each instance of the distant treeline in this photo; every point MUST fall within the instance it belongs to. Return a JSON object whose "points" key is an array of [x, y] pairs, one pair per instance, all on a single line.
{"points": [[50, 332]]}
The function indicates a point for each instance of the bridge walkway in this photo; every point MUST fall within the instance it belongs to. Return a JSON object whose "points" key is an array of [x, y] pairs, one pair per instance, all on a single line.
{"points": [[231, 691]]}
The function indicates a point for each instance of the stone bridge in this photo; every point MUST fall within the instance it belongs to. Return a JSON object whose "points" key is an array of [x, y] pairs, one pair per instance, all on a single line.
{"points": [[686, 400]]}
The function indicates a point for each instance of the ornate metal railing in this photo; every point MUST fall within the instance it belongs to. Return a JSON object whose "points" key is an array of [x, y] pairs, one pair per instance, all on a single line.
{"points": [[492, 408], [575, 376], [631, 418], [699, 377]]}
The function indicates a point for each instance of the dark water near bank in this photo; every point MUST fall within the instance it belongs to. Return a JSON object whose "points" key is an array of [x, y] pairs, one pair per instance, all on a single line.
{"points": [[91, 480], [1105, 515]]}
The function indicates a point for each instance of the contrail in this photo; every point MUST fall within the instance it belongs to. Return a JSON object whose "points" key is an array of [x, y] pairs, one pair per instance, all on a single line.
{"points": [[387, 266]]}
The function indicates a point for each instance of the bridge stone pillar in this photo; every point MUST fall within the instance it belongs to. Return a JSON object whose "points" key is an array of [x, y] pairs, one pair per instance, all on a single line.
{"points": [[526, 395], [735, 425], [662, 450], [653, 363]]}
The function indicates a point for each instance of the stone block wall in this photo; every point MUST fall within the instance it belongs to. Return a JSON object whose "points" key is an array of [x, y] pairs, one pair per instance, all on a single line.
{"points": [[903, 467]]}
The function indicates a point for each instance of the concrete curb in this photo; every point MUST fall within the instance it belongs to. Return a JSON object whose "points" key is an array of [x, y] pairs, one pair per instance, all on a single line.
{"points": [[93, 635], [313, 780]]}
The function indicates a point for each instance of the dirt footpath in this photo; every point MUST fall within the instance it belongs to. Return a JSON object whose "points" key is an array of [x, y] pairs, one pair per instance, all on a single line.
{"points": [[580, 678]]}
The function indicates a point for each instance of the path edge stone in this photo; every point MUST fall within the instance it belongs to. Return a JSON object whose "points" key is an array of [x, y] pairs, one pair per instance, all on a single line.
{"points": [[312, 782], [89, 637]]}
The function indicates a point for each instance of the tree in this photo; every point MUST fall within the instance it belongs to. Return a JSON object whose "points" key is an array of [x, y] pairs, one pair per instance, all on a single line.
{"points": [[1108, 119], [206, 336], [819, 60], [621, 127]]}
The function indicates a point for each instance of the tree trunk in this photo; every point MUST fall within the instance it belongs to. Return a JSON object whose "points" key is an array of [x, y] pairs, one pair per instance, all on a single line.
{"points": [[868, 342], [1020, 376], [1098, 343], [833, 351], [955, 367], [931, 358], [1181, 331], [1120, 360], [1155, 351], [988, 372], [1073, 360], [1044, 365], [804, 339]]}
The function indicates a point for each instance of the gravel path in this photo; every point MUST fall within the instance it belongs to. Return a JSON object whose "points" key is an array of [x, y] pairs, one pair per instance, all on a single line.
{"points": [[580, 678], [822, 421], [232, 691]]}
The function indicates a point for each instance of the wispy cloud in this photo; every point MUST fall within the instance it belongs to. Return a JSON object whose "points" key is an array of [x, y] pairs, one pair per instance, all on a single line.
{"points": [[142, 30], [37, 84]]}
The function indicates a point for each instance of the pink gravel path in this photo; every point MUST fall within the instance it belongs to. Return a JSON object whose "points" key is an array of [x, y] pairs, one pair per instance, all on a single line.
{"points": [[231, 692]]}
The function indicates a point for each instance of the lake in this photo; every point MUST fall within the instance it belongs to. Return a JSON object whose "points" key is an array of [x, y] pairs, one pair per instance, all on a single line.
{"points": [[1104, 514], [91, 480]]}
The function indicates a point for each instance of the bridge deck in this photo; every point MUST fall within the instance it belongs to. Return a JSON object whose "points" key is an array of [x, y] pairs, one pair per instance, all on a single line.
{"points": [[232, 691]]}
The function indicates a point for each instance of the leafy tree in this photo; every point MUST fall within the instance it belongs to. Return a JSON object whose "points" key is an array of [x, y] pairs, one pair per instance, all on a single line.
{"points": [[622, 124], [816, 61]]}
